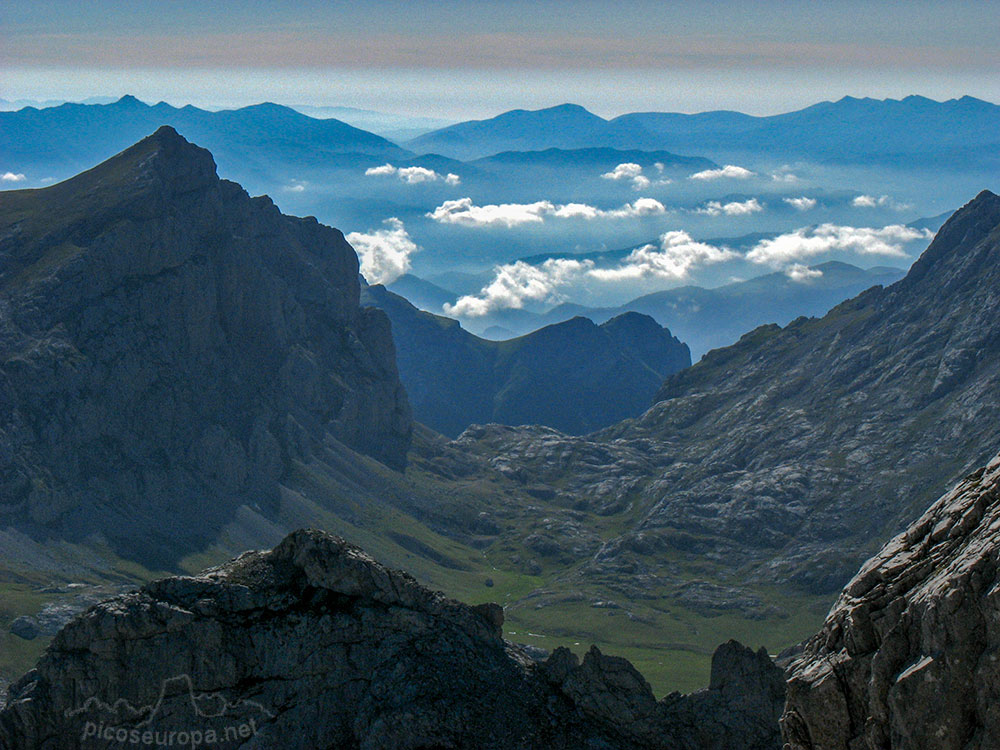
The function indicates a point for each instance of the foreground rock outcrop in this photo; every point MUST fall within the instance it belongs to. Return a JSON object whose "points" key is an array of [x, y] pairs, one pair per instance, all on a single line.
{"points": [[316, 645], [909, 656]]}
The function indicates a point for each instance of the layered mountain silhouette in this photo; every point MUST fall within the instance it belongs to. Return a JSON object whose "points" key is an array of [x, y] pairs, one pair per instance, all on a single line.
{"points": [[263, 139], [704, 318], [575, 376], [958, 133], [791, 453], [170, 348]]}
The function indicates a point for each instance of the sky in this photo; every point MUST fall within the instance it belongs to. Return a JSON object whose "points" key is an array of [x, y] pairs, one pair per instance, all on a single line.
{"points": [[476, 58]]}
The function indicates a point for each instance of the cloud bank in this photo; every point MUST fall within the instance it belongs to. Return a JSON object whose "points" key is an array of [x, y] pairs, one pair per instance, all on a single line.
{"points": [[466, 213], [384, 253], [806, 243], [730, 171], [513, 284], [413, 175]]}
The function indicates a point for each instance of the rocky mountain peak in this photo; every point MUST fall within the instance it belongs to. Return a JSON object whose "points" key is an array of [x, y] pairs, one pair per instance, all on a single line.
{"points": [[171, 349], [976, 221], [908, 654], [315, 644]]}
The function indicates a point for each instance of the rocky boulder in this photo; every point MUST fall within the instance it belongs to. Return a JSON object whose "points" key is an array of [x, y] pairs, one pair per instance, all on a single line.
{"points": [[909, 656], [315, 645]]}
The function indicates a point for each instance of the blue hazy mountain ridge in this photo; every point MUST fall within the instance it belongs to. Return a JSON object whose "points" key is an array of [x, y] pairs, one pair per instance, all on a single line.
{"points": [[574, 376], [703, 318], [596, 156], [914, 130], [263, 139]]}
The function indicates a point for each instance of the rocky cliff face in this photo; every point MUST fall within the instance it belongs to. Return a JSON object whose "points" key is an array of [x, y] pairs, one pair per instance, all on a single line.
{"points": [[768, 459], [315, 645], [170, 347], [909, 656], [574, 376]]}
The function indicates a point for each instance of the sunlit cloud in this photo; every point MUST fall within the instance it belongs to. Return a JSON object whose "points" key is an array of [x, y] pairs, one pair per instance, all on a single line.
{"points": [[808, 242], [730, 171], [384, 253], [880, 201], [801, 204], [413, 175], [800, 272], [13, 177], [514, 284], [673, 258], [630, 172], [466, 213], [733, 208]]}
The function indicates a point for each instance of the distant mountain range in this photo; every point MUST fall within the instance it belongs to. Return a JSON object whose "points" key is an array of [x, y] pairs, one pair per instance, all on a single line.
{"points": [[702, 318], [249, 143], [574, 376], [913, 131]]}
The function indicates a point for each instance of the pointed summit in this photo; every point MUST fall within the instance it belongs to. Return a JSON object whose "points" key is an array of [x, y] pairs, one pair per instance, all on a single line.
{"points": [[960, 236]]}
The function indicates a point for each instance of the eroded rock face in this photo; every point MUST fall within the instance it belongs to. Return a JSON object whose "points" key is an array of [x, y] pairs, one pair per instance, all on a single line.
{"points": [[169, 349], [316, 645], [909, 656]]}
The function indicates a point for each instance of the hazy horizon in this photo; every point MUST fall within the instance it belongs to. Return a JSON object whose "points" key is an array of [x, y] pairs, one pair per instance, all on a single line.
{"points": [[476, 59]]}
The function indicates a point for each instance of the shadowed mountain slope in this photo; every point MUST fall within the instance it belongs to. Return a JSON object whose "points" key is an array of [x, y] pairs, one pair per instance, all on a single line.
{"points": [[575, 376], [791, 453], [170, 347]]}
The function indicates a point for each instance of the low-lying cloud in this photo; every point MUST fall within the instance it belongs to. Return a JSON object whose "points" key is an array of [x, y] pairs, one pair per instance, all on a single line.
{"points": [[384, 253], [674, 258], [881, 201], [514, 284], [793, 247], [628, 172], [801, 272], [733, 208], [801, 204], [729, 171], [13, 177], [466, 213], [413, 175]]}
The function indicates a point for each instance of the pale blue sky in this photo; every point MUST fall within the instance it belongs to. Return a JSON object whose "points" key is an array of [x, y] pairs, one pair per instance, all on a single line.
{"points": [[470, 58]]}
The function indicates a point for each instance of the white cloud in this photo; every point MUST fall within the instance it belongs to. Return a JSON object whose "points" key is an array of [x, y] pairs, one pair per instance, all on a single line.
{"points": [[517, 283], [296, 188], [630, 172], [809, 242], [730, 170], [734, 208], [385, 169], [513, 284], [881, 201], [384, 253], [800, 272], [674, 258], [464, 212], [802, 204], [13, 177], [412, 175]]}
